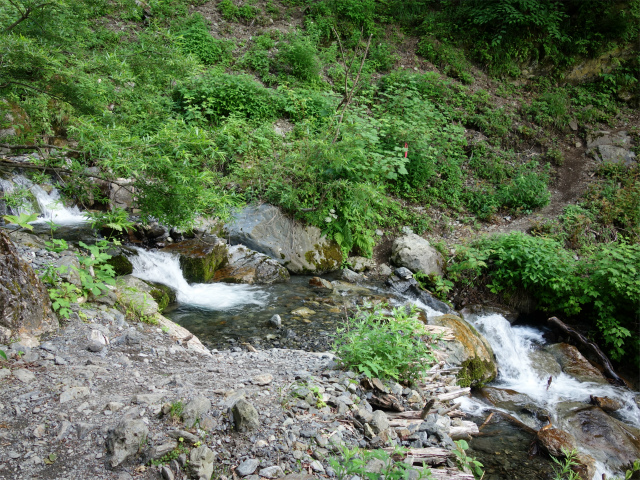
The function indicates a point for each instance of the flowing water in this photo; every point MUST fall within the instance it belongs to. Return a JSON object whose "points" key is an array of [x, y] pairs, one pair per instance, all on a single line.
{"points": [[223, 314], [220, 314], [524, 367]]}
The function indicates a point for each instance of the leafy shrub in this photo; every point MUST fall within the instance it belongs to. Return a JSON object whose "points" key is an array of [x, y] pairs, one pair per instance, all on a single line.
{"points": [[353, 463], [526, 192], [299, 58], [601, 286], [450, 59], [385, 345], [217, 96], [382, 57], [196, 40], [552, 108]]}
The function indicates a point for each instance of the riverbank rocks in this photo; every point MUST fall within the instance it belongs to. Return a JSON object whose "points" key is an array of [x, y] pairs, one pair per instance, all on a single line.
{"points": [[135, 294], [245, 416], [470, 351], [125, 440], [250, 267], [573, 363], [474, 311], [301, 249], [25, 308], [200, 257], [415, 253], [201, 462]]}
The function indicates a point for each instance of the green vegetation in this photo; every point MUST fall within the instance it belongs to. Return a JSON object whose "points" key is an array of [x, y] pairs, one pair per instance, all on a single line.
{"points": [[385, 344], [465, 462], [333, 112], [601, 285], [353, 462]]}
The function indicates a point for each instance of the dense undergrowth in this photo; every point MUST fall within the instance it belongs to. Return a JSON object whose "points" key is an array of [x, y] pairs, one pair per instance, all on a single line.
{"points": [[144, 90]]}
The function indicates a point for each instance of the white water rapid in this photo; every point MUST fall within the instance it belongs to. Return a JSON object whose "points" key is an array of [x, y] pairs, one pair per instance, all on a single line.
{"points": [[521, 367], [50, 205], [164, 268]]}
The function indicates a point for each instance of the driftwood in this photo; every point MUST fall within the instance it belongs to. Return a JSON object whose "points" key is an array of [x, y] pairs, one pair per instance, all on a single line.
{"points": [[429, 455], [386, 401], [464, 431], [462, 392], [405, 422], [592, 347], [450, 474]]}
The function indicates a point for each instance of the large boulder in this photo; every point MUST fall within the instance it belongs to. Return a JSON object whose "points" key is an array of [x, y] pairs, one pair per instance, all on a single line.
{"points": [[136, 295], [25, 308], [611, 441], [301, 249], [470, 350], [611, 147], [573, 363], [200, 257], [415, 253], [249, 266], [126, 440]]}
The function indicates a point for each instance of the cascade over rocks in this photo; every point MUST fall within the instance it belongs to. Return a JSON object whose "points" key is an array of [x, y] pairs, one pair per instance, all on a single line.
{"points": [[415, 253], [25, 308], [248, 266], [301, 249], [470, 350]]}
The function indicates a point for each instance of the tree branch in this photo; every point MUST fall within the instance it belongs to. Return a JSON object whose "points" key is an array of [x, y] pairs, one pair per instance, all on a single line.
{"points": [[24, 15]]}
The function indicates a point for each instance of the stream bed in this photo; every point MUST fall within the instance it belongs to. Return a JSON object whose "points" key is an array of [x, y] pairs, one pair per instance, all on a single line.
{"points": [[227, 315]]}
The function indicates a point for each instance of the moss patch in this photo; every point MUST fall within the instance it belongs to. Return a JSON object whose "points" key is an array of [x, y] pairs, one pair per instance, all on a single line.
{"points": [[475, 373], [121, 265], [163, 296], [324, 258]]}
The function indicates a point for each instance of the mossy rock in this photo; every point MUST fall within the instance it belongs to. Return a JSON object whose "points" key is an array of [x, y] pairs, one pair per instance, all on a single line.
{"points": [[121, 265], [475, 373], [470, 351], [163, 295], [199, 259]]}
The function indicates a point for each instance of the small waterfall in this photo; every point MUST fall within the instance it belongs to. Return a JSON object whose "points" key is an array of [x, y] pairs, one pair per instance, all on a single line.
{"points": [[53, 210], [164, 268], [517, 370], [49, 205]]}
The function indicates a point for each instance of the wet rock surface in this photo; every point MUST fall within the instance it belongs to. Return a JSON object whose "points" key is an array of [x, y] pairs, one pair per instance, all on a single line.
{"points": [[200, 257], [301, 249], [247, 266], [416, 254], [573, 363], [25, 310]]}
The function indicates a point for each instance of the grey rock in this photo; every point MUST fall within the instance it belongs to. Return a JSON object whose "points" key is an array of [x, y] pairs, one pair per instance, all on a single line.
{"points": [[245, 416], [166, 473], [24, 375], [201, 462], [379, 421], [360, 264], [613, 154], [351, 276], [247, 467], [251, 267], [429, 300], [125, 440], [271, 472], [73, 393], [415, 253], [275, 321], [68, 266], [385, 270], [302, 249], [25, 309], [186, 436], [95, 346], [317, 467], [195, 410], [135, 294], [403, 273]]}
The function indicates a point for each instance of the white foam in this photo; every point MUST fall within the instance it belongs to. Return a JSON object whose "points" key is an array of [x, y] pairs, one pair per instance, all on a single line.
{"points": [[164, 268]]}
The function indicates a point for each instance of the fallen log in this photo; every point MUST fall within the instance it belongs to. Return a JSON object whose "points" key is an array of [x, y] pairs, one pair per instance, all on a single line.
{"points": [[464, 431], [462, 392], [592, 347], [386, 401], [450, 474], [429, 455], [405, 422]]}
